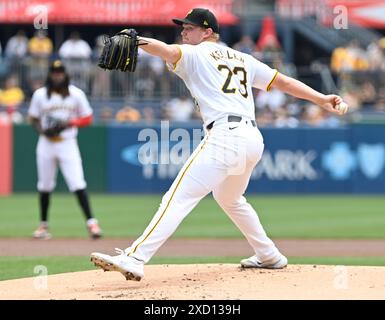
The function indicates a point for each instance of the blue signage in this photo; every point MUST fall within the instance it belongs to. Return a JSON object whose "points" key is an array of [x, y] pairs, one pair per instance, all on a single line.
{"points": [[346, 160]]}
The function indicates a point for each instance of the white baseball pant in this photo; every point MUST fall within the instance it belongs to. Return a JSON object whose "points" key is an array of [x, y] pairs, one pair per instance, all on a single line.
{"points": [[66, 154], [222, 164]]}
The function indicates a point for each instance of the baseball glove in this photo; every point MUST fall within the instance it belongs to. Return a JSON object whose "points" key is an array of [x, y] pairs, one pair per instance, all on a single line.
{"points": [[54, 127], [120, 52]]}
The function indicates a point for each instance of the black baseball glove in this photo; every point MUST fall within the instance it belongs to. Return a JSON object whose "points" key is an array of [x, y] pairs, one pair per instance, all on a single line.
{"points": [[54, 127], [120, 52]]}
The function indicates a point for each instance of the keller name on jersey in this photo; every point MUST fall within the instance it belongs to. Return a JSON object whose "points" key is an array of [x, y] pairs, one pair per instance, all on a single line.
{"points": [[220, 55]]}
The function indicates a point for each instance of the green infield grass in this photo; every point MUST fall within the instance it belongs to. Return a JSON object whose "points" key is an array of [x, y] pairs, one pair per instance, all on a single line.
{"points": [[128, 215]]}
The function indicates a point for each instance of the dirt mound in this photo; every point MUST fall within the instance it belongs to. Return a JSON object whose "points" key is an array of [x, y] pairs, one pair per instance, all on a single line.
{"points": [[207, 281]]}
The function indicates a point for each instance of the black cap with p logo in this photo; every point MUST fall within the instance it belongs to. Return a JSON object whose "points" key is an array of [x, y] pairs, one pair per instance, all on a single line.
{"points": [[200, 17], [57, 66]]}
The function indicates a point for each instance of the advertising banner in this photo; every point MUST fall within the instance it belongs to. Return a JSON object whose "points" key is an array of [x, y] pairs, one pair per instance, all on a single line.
{"points": [[346, 160]]}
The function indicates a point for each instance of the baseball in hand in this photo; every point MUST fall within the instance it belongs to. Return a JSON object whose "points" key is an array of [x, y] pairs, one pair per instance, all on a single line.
{"points": [[341, 107]]}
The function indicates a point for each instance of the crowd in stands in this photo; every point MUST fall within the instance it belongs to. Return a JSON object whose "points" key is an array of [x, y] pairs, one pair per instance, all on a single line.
{"points": [[361, 74], [180, 109], [24, 66]]}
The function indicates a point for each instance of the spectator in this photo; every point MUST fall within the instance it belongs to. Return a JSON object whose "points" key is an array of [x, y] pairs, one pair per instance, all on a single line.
{"points": [[156, 64], [156, 70], [273, 99], [148, 114], [284, 120], [338, 59], [245, 45], [75, 48], [40, 46], [145, 84], [180, 109], [293, 106], [313, 115], [11, 98], [106, 114], [376, 56], [17, 46], [351, 58], [76, 54], [358, 55], [367, 93], [128, 114], [268, 49]]}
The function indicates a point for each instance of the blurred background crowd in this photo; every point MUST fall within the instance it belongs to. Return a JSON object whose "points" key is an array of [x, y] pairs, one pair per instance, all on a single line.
{"points": [[287, 35]]}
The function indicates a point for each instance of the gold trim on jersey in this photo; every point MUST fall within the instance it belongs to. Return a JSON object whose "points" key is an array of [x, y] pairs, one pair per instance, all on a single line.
{"points": [[180, 57], [172, 195], [271, 82]]}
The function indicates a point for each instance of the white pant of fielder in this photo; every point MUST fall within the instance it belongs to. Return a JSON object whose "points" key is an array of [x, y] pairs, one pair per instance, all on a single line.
{"points": [[221, 164], [64, 153]]}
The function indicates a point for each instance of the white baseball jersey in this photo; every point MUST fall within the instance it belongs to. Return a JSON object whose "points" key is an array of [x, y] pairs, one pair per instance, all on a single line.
{"points": [[75, 105], [220, 79]]}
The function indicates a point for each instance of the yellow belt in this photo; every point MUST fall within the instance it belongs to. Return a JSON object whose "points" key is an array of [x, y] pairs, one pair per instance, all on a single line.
{"points": [[55, 139]]}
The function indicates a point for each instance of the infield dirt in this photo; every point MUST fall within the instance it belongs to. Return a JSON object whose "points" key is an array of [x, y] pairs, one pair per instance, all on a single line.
{"points": [[207, 281]]}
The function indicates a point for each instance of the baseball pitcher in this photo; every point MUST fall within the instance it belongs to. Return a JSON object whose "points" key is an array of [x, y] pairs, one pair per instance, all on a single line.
{"points": [[220, 80]]}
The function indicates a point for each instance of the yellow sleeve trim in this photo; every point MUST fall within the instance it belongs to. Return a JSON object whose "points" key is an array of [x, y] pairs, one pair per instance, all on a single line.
{"points": [[180, 57], [271, 82]]}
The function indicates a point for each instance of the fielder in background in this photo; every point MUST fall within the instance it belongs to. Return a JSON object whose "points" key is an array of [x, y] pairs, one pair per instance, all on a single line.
{"points": [[56, 111], [221, 80]]}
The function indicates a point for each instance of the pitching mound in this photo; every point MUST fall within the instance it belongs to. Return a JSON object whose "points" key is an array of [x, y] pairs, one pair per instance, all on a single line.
{"points": [[207, 281]]}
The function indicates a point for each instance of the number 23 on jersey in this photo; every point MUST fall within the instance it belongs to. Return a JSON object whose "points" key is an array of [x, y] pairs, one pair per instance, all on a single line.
{"points": [[241, 73]]}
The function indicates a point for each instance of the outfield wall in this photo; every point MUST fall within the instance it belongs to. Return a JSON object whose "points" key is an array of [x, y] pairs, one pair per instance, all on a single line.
{"points": [[345, 160], [92, 144]]}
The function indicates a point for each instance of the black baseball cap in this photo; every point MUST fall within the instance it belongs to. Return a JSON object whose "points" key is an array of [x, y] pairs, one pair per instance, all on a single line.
{"points": [[200, 17], [57, 66]]}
